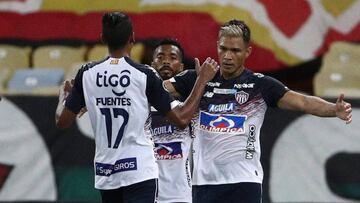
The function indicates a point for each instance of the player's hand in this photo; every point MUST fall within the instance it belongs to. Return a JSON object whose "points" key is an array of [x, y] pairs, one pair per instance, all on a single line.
{"points": [[65, 89], [343, 109], [82, 111], [207, 70]]}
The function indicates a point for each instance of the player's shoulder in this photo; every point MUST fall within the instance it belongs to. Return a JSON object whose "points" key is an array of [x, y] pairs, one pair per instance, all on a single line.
{"points": [[265, 81], [185, 75], [141, 67], [258, 77], [87, 66], [187, 72]]}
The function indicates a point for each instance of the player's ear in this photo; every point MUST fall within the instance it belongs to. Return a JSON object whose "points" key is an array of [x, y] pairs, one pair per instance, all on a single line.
{"points": [[103, 40], [132, 38], [248, 51], [181, 68]]}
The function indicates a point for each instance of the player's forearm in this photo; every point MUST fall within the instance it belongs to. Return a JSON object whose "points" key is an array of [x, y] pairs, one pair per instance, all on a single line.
{"points": [[185, 112], [170, 88], [319, 107], [59, 110]]}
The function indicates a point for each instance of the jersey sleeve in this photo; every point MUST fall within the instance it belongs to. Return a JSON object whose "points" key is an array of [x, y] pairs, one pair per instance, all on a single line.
{"points": [[157, 96], [272, 90], [75, 101], [184, 82]]}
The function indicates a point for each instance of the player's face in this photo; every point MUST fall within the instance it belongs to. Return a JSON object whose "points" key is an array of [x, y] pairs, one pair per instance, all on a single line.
{"points": [[167, 61], [232, 52]]}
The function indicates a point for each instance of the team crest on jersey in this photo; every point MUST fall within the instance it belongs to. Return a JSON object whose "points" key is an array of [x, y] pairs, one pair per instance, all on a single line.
{"points": [[168, 151], [223, 123], [241, 97], [114, 61]]}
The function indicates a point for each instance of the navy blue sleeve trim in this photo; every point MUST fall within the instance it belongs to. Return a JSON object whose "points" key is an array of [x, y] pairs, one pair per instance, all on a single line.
{"points": [[184, 82], [158, 97], [272, 90], [75, 101]]}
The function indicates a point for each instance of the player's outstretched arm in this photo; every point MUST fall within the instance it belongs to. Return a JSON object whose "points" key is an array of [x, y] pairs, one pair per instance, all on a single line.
{"points": [[63, 116], [182, 114], [316, 106]]}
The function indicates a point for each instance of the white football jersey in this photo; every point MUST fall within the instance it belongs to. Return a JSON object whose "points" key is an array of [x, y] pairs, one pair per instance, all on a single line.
{"points": [[227, 128], [117, 93], [172, 148]]}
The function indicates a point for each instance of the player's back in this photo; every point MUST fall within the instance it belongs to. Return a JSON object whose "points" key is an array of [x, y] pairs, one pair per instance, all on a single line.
{"points": [[116, 93]]}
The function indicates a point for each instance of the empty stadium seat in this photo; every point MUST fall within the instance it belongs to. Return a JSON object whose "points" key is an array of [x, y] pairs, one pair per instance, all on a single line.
{"points": [[71, 73], [11, 59], [137, 52], [339, 72], [58, 56], [100, 51], [28, 80], [97, 52]]}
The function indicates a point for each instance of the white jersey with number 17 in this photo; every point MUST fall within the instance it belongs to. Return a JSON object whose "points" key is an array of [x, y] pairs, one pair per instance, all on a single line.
{"points": [[117, 93]]}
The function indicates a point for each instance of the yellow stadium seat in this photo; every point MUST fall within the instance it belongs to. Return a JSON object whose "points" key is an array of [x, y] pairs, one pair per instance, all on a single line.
{"points": [[58, 56], [11, 59], [137, 52], [97, 52], [339, 72], [100, 51], [71, 72]]}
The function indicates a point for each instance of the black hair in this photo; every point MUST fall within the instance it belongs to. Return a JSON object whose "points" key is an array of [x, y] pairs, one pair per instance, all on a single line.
{"points": [[174, 42], [116, 29]]}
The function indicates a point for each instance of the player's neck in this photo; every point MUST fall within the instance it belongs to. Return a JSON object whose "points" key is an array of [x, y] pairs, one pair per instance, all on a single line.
{"points": [[235, 74], [119, 53]]}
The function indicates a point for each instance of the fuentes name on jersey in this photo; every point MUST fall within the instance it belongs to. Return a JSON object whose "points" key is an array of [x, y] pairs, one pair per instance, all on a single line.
{"points": [[116, 81]]}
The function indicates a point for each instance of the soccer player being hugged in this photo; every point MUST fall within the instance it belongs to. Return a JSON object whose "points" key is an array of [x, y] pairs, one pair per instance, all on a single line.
{"points": [[172, 145]]}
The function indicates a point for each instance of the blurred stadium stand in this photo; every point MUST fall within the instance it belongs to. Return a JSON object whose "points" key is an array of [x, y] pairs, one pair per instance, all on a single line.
{"points": [[339, 72], [11, 59], [37, 80], [58, 56], [31, 61]]}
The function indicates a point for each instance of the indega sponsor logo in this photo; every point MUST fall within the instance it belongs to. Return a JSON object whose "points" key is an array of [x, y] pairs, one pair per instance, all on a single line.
{"points": [[244, 85], [221, 107], [213, 84]]}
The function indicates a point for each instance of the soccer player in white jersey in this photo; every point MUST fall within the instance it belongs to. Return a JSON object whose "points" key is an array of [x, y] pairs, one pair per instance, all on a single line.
{"points": [[172, 145], [226, 146], [118, 93]]}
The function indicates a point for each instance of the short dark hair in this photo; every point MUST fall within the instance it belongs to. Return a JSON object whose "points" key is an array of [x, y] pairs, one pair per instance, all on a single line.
{"points": [[174, 42], [237, 28], [116, 29]]}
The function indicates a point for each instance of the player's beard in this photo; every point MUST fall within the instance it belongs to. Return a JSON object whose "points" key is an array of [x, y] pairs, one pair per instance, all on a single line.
{"points": [[166, 72]]}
